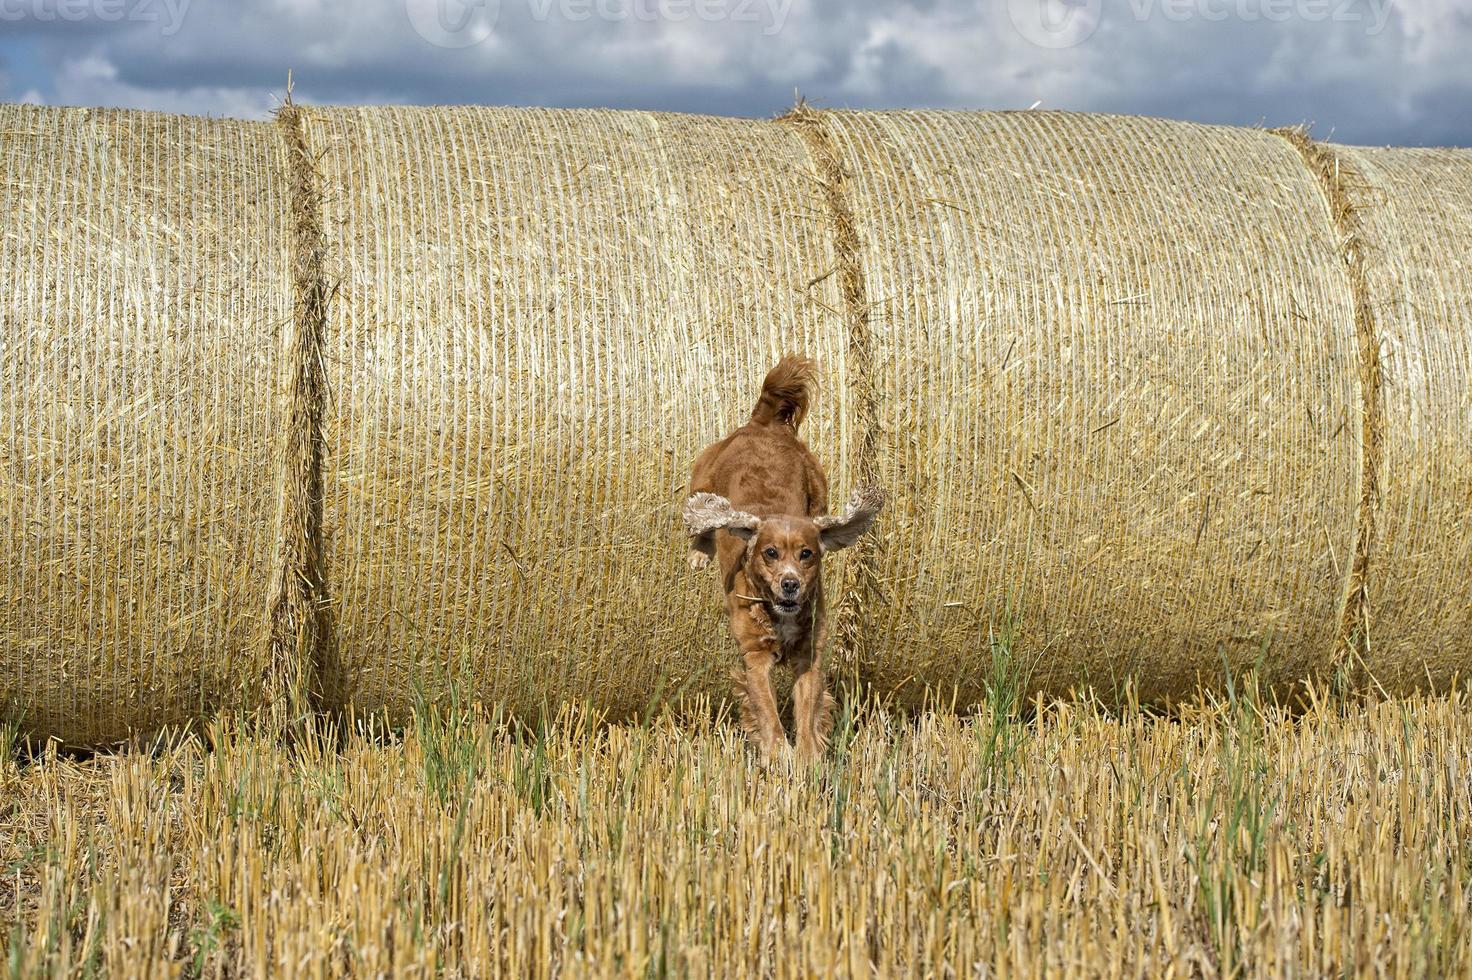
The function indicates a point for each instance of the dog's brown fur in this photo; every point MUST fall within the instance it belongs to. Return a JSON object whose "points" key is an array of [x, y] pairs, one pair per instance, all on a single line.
{"points": [[758, 504]]}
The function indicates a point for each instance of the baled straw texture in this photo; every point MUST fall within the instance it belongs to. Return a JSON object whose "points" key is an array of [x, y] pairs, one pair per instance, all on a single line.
{"points": [[374, 403], [1119, 389], [1415, 212], [145, 263], [542, 317]]}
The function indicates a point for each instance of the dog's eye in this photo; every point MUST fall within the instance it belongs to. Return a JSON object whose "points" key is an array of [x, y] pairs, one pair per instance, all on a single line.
{"points": [[806, 554], [771, 554]]}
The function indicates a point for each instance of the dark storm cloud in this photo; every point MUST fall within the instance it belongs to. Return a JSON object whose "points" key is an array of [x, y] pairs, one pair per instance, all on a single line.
{"points": [[1364, 70]]}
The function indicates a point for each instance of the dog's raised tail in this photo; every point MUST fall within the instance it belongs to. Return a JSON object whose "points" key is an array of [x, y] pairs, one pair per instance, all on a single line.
{"points": [[785, 392]]}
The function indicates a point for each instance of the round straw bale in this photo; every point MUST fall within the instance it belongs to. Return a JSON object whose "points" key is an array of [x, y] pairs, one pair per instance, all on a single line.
{"points": [[1118, 383], [145, 268], [1414, 210], [1150, 400], [541, 318]]}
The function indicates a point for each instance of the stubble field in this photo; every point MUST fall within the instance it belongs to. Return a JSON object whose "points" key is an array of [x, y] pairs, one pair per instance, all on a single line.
{"points": [[1232, 838]]}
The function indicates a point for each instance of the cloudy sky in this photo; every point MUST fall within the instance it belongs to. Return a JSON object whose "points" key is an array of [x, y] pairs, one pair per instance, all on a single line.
{"points": [[1361, 71]]}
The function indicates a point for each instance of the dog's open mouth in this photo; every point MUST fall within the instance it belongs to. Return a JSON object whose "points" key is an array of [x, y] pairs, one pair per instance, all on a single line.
{"points": [[786, 606]]}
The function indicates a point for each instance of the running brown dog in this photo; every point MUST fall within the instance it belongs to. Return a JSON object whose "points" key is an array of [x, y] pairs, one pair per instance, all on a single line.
{"points": [[768, 493]]}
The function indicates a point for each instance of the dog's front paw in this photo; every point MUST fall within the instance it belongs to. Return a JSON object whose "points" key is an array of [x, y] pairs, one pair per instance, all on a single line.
{"points": [[775, 755], [698, 559]]}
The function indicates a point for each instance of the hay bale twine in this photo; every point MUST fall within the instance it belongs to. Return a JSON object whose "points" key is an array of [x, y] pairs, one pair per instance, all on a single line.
{"points": [[145, 264]]}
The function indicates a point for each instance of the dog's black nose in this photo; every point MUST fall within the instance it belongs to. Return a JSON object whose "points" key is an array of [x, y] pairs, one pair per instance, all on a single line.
{"points": [[790, 586]]}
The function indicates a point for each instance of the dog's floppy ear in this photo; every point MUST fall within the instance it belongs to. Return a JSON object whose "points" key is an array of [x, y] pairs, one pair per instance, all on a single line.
{"points": [[839, 532], [707, 513]]}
